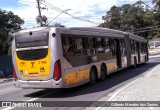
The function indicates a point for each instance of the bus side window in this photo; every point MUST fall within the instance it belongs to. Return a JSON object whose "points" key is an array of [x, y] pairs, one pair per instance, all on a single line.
{"points": [[122, 47], [67, 43], [136, 48], [71, 43], [113, 46], [106, 45], [132, 46], [99, 44], [79, 45], [64, 43], [85, 45], [91, 49], [143, 48], [146, 47]]}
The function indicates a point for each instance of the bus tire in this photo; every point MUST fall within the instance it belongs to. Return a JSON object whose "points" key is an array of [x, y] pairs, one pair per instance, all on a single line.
{"points": [[93, 77], [103, 72], [135, 62]]}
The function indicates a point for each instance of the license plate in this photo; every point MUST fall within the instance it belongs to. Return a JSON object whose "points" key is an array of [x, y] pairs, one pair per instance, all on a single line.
{"points": [[33, 74]]}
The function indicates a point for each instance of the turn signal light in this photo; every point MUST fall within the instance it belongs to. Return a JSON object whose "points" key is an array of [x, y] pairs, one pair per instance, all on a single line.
{"points": [[14, 74]]}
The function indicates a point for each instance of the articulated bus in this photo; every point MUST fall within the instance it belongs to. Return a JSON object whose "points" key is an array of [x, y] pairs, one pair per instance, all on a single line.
{"points": [[49, 57]]}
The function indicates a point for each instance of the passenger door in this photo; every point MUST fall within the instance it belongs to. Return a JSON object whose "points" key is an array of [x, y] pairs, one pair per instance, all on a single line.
{"points": [[138, 50], [118, 54]]}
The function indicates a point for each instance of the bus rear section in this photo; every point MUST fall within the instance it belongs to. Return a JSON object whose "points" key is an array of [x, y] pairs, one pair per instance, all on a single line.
{"points": [[32, 65]]}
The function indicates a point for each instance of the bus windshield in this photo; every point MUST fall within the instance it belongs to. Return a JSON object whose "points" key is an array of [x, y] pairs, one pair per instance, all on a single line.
{"points": [[32, 39]]}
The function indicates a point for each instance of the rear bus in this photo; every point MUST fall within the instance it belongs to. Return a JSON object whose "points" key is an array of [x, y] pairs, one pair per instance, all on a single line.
{"points": [[35, 56]]}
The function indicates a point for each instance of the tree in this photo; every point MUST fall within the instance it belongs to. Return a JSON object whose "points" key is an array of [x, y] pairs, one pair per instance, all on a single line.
{"points": [[8, 23], [133, 18], [112, 18], [156, 4], [126, 17], [58, 25], [42, 19]]}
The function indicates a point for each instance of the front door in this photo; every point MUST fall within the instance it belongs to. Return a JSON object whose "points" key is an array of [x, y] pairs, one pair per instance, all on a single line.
{"points": [[118, 54]]}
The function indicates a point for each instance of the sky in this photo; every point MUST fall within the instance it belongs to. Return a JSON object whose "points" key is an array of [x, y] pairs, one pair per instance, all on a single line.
{"points": [[91, 10]]}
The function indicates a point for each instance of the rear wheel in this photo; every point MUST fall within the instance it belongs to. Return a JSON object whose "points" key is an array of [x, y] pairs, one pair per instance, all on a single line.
{"points": [[103, 73], [93, 77]]}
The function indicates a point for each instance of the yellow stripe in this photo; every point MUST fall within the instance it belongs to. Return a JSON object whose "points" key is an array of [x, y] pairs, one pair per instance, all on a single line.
{"points": [[111, 66], [76, 77], [99, 69]]}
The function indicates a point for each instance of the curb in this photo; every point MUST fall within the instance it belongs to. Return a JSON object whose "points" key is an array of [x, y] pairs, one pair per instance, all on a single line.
{"points": [[154, 56], [6, 80]]}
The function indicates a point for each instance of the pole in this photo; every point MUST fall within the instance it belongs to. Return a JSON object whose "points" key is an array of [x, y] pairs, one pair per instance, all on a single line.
{"points": [[39, 10], [64, 11]]}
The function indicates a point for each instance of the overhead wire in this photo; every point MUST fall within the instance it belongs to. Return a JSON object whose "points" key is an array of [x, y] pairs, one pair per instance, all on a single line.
{"points": [[63, 11], [141, 29], [157, 29], [25, 1]]}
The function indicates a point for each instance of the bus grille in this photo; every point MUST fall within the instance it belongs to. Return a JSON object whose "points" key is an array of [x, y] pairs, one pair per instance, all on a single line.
{"points": [[32, 54]]}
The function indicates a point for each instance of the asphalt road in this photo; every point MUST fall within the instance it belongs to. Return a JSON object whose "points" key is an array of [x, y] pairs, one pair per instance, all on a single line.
{"points": [[82, 93]]}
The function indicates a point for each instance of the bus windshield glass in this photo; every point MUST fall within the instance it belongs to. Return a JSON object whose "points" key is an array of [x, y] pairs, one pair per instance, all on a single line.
{"points": [[32, 39]]}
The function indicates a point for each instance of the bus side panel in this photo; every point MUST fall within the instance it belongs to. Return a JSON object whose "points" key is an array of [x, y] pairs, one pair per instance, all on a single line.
{"points": [[84, 72], [111, 65], [124, 61], [143, 58], [71, 76], [133, 57]]}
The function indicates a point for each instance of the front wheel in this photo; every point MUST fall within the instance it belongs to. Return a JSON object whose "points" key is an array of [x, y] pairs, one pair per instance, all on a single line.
{"points": [[93, 78]]}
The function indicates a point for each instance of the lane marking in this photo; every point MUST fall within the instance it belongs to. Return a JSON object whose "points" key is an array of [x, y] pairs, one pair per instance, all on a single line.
{"points": [[30, 100], [118, 91], [151, 71]]}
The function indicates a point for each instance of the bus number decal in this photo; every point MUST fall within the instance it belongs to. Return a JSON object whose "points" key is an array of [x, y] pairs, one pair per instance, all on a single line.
{"points": [[42, 62]]}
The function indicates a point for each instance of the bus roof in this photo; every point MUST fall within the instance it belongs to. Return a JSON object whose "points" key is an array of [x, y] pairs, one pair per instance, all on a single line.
{"points": [[89, 30], [96, 29], [33, 29], [136, 37]]}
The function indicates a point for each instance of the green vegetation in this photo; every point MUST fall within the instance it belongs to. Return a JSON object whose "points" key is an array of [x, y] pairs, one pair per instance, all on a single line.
{"points": [[9, 23], [58, 25], [138, 18]]}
